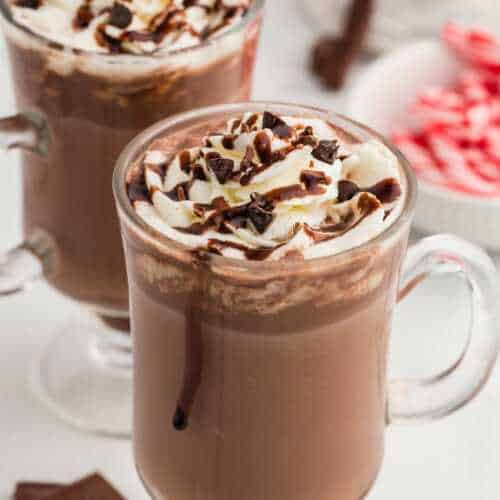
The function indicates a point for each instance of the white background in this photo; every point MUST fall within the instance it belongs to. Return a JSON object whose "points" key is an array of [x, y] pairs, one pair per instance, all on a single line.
{"points": [[453, 459]]}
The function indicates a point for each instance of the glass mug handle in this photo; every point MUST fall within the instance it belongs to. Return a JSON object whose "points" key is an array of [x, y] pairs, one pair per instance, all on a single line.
{"points": [[436, 397], [35, 257]]}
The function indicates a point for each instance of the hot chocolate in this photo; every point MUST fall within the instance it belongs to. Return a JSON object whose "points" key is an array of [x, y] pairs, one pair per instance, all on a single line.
{"points": [[104, 71], [261, 299]]}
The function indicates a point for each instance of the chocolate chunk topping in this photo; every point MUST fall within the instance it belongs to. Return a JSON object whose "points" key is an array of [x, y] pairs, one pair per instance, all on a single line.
{"points": [[313, 178], [228, 141], [252, 120], [270, 121], [179, 192], [347, 191], [260, 212], [306, 137], [83, 17], [326, 151], [263, 146], [184, 161], [236, 124], [120, 16], [29, 4], [138, 191], [221, 167], [277, 125], [104, 40], [199, 173], [387, 190]]}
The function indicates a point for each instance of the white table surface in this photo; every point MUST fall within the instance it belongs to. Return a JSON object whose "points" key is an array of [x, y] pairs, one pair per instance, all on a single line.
{"points": [[452, 459]]}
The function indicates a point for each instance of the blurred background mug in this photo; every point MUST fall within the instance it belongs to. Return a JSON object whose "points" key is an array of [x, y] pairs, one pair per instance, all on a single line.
{"points": [[77, 111]]}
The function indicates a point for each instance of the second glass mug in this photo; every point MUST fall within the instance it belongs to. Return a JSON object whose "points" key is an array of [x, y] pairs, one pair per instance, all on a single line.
{"points": [[279, 368], [78, 110]]}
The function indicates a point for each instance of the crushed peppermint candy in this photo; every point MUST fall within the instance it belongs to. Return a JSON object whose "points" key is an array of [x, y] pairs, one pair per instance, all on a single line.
{"points": [[457, 143]]}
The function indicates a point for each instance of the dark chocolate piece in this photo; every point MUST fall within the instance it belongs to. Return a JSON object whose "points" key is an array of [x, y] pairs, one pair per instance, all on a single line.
{"points": [[260, 212], [228, 141], [138, 191], [120, 16], [93, 487], [313, 178], [34, 491], [347, 191], [221, 167], [83, 17], [276, 124], [387, 190], [263, 146], [326, 151]]}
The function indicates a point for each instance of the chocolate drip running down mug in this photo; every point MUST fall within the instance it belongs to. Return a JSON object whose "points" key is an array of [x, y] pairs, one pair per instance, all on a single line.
{"points": [[286, 392], [77, 111]]}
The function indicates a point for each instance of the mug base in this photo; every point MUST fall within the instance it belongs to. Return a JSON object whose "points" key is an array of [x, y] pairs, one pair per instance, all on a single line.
{"points": [[84, 376]]}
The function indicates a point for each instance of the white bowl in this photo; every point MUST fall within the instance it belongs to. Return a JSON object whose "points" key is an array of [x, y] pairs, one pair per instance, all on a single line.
{"points": [[381, 99]]}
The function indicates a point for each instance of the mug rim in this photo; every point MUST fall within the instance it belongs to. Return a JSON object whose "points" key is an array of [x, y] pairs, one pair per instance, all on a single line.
{"points": [[152, 236], [254, 11]]}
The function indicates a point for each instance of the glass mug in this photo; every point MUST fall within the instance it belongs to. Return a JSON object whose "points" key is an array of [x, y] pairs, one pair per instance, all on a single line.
{"points": [[267, 380], [78, 110]]}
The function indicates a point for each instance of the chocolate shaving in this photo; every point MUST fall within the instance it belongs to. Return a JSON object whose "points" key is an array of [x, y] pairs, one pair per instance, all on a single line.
{"points": [[277, 125], [386, 191], [306, 137], [179, 192], [260, 212], [104, 40], [138, 191], [120, 16], [221, 167], [83, 17], [198, 173], [347, 191], [326, 151], [313, 178], [228, 141], [252, 120], [263, 146]]}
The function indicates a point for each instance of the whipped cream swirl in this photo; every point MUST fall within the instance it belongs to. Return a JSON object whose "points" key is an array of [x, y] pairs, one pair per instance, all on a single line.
{"points": [[268, 188], [129, 26]]}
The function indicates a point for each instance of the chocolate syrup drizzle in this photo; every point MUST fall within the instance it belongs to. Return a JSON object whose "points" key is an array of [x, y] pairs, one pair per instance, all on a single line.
{"points": [[259, 213], [193, 365]]}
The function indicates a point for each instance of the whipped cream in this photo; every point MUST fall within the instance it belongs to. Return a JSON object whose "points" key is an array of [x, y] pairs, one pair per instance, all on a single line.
{"points": [[129, 26], [268, 188]]}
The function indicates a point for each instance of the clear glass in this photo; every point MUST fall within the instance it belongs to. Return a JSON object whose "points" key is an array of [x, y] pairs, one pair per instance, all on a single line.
{"points": [[77, 111], [399, 21], [267, 380]]}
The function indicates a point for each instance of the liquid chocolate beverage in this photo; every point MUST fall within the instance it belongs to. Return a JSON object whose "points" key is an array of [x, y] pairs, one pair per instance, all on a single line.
{"points": [[100, 72], [261, 299]]}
